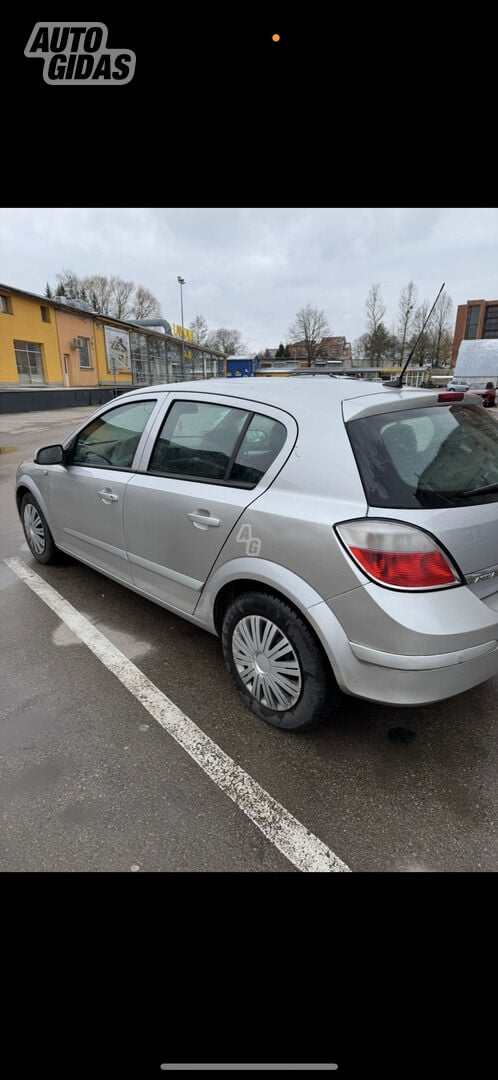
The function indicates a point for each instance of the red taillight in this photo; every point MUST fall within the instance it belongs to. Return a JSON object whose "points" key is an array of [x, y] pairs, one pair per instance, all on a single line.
{"points": [[400, 556], [453, 396], [417, 570]]}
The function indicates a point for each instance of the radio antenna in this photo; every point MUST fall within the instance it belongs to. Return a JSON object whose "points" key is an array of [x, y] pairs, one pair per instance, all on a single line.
{"points": [[398, 381]]}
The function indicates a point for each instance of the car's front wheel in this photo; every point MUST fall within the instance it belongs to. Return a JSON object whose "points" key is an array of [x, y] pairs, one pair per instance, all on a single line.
{"points": [[276, 663], [37, 533]]}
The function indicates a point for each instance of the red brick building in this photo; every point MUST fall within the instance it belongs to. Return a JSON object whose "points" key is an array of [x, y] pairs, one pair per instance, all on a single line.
{"points": [[474, 320], [330, 348]]}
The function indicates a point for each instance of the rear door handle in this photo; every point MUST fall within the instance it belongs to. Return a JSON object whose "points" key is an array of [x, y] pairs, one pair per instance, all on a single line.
{"points": [[203, 520], [107, 496]]}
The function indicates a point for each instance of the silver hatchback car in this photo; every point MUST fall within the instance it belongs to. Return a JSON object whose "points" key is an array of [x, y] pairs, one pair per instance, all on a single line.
{"points": [[337, 535]]}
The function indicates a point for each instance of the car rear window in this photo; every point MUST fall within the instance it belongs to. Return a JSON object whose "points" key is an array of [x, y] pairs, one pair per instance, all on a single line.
{"points": [[427, 457]]}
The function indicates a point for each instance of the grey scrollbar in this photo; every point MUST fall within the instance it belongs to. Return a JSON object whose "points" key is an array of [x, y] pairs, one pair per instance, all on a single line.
{"points": [[329, 1066]]}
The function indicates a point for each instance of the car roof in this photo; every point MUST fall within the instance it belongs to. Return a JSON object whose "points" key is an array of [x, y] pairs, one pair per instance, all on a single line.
{"points": [[317, 394]]}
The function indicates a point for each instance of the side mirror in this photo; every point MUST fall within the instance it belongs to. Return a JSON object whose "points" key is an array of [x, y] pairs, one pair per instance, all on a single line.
{"points": [[49, 455]]}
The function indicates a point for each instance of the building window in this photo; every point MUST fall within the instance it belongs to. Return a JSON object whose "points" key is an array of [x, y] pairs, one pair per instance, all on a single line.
{"points": [[45, 313], [491, 321], [472, 321], [5, 304], [29, 362], [84, 352]]}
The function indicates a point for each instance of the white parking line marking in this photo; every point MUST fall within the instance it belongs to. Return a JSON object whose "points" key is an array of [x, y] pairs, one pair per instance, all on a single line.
{"points": [[301, 847]]}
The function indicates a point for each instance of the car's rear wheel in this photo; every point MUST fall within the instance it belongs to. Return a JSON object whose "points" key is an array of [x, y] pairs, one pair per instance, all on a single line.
{"points": [[276, 663], [38, 536]]}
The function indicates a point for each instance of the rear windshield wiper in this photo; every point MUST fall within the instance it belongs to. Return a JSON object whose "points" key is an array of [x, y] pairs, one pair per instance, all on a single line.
{"points": [[488, 488]]}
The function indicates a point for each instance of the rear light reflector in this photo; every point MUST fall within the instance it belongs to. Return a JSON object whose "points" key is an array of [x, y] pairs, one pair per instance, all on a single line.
{"points": [[452, 396], [399, 556]]}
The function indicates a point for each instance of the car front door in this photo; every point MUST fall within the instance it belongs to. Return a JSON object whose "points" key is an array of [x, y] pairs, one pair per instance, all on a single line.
{"points": [[208, 462], [85, 497]]}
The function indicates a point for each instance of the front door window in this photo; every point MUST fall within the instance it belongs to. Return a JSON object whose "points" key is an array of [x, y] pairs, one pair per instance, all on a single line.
{"points": [[111, 440]]}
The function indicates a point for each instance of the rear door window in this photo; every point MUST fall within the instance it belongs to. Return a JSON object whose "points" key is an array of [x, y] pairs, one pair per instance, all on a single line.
{"points": [[427, 457], [217, 443], [198, 440]]}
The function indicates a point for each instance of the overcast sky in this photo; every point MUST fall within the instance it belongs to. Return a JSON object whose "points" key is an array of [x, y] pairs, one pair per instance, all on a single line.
{"points": [[251, 268]]}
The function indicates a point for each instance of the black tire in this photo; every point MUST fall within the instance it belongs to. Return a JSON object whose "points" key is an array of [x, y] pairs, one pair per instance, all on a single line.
{"points": [[313, 688], [38, 536]]}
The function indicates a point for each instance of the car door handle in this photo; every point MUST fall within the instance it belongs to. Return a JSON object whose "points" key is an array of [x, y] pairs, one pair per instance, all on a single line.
{"points": [[202, 520], [107, 496]]}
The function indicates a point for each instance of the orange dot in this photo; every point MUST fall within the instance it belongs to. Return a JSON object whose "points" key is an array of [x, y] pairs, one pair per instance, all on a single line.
{"points": [[275, 37]]}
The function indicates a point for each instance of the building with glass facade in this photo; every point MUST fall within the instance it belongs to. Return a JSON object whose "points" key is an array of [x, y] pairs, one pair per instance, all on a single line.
{"points": [[61, 342]]}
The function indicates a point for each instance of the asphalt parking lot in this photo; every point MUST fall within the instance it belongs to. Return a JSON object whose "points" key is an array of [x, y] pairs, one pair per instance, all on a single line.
{"points": [[92, 782]]}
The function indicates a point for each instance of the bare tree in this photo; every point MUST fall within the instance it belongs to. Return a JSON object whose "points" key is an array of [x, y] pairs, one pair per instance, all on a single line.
{"points": [[375, 308], [423, 348], [99, 291], [406, 312], [199, 328], [360, 347], [144, 303], [377, 341], [109, 296], [68, 284], [309, 327], [228, 342], [393, 344], [121, 297], [441, 335]]}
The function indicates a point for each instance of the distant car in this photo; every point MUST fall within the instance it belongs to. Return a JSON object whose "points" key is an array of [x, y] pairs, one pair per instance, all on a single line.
{"points": [[332, 535], [458, 387], [485, 390]]}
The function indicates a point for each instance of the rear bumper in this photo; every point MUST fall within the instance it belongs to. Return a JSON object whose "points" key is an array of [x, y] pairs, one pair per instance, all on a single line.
{"points": [[434, 662], [387, 659]]}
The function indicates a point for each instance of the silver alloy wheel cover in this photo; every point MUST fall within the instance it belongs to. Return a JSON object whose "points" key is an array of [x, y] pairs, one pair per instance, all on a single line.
{"points": [[35, 532], [266, 662]]}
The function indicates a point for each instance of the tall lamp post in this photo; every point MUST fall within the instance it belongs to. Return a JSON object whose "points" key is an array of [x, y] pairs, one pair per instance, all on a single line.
{"points": [[181, 282]]}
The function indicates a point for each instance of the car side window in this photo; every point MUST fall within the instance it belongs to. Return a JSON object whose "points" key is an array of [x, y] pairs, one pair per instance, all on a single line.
{"points": [[111, 440], [263, 440], [198, 440]]}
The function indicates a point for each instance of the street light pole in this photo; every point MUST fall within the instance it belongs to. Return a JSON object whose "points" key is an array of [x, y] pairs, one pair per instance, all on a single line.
{"points": [[181, 282]]}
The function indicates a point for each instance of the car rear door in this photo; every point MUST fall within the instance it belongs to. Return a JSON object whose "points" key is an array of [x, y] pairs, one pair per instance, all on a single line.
{"points": [[205, 461]]}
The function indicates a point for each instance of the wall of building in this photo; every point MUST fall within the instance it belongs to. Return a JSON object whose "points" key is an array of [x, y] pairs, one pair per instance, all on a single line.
{"points": [[461, 324], [106, 377], [34, 399], [26, 324], [70, 326], [478, 358]]}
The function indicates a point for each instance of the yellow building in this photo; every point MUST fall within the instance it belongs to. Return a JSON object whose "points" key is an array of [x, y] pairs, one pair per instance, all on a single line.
{"points": [[54, 343], [59, 342], [29, 351]]}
